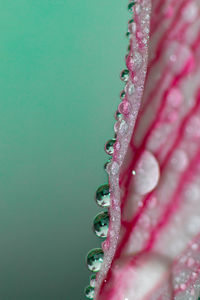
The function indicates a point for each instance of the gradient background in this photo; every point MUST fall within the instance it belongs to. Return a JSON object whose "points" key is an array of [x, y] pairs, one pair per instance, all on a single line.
{"points": [[59, 84]]}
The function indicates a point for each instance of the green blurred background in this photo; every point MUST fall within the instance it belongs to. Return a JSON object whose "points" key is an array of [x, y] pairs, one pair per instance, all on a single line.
{"points": [[59, 86]]}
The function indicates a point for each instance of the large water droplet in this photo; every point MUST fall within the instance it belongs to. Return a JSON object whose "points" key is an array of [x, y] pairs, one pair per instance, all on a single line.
{"points": [[89, 292], [131, 5], [93, 280], [95, 259], [124, 75], [109, 146], [147, 174], [101, 223], [103, 196]]}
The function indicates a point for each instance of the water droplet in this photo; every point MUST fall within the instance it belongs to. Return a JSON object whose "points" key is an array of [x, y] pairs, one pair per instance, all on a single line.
{"points": [[122, 95], [123, 128], [124, 75], [128, 34], [89, 292], [113, 168], [133, 28], [147, 174], [130, 88], [137, 8], [124, 107], [109, 146], [93, 280], [134, 61], [103, 196], [118, 115], [101, 223], [107, 163], [131, 6], [95, 259]]}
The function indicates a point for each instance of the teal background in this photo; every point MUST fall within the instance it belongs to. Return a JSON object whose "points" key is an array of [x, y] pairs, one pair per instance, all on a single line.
{"points": [[59, 85]]}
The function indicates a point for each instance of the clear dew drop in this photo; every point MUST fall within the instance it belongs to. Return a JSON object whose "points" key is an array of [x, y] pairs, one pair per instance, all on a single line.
{"points": [[103, 196], [93, 280], [128, 34], [101, 224], [122, 95], [130, 21], [130, 88], [121, 127], [95, 259], [107, 163], [114, 168], [118, 116], [109, 147], [124, 75], [147, 174], [124, 107], [89, 292], [131, 6]]}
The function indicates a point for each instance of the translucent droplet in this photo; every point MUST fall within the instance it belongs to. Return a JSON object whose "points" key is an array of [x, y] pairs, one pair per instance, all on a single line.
{"points": [[114, 168], [133, 28], [95, 259], [122, 95], [101, 223], [106, 164], [131, 5], [147, 173], [130, 21], [121, 127], [124, 75], [118, 115], [130, 88], [124, 107], [109, 146], [128, 34], [89, 292], [103, 196], [93, 280], [137, 8]]}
